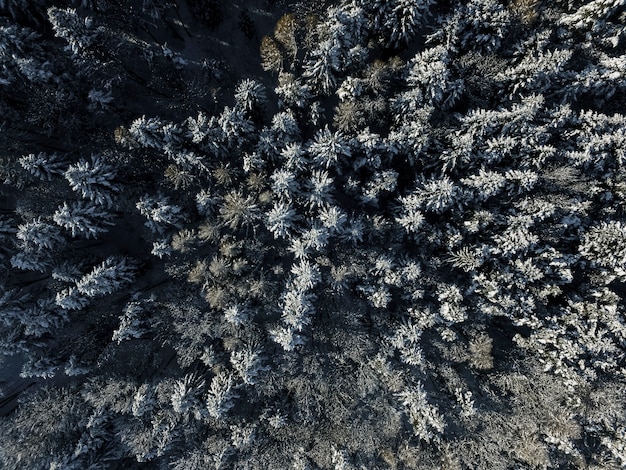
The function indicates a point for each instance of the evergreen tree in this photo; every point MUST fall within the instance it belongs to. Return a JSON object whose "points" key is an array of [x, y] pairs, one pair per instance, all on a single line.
{"points": [[93, 180], [109, 276], [160, 212], [79, 32], [82, 219], [42, 166]]}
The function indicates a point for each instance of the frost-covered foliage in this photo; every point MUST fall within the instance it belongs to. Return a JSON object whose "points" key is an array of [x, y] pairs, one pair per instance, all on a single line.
{"points": [[159, 212], [132, 321], [402, 247], [250, 95], [93, 180], [80, 33], [82, 219], [36, 240], [106, 277], [42, 166]]}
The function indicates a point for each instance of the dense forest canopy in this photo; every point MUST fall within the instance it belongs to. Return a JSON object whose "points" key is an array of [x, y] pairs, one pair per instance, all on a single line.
{"points": [[316, 234]]}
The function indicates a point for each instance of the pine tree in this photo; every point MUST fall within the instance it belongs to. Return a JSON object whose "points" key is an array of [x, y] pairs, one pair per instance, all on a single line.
{"points": [[605, 245], [79, 32], [82, 219], [590, 14], [280, 220], [329, 149], [160, 212], [250, 95], [425, 418], [430, 77], [320, 187], [38, 235], [285, 34], [406, 19], [235, 127], [221, 394], [109, 276], [132, 321], [42, 166], [187, 394], [93, 180], [146, 133], [292, 93], [248, 363], [71, 299], [321, 69]]}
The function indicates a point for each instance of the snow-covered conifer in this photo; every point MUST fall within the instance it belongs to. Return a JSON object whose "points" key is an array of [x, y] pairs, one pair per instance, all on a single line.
{"points": [[320, 188], [248, 363], [79, 32], [605, 245], [431, 80], [297, 309], [160, 212], [199, 128], [221, 394], [234, 125], [591, 13], [295, 157], [187, 394], [315, 237], [406, 19], [132, 322], [38, 235], [381, 182], [206, 202], [485, 184], [322, 68], [427, 423], [280, 220], [306, 275], [479, 25], [100, 99], [328, 148], [42, 166], [31, 261], [107, 277], [71, 299], [237, 314], [438, 194], [332, 218], [39, 367], [82, 218], [284, 184], [287, 337], [93, 180], [292, 92], [161, 248], [147, 132], [250, 95], [410, 218], [285, 127], [537, 71]]}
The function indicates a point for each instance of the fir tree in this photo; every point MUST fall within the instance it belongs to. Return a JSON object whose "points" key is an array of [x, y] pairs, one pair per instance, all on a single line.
{"points": [[79, 32], [82, 219], [42, 166], [109, 276], [93, 180]]}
